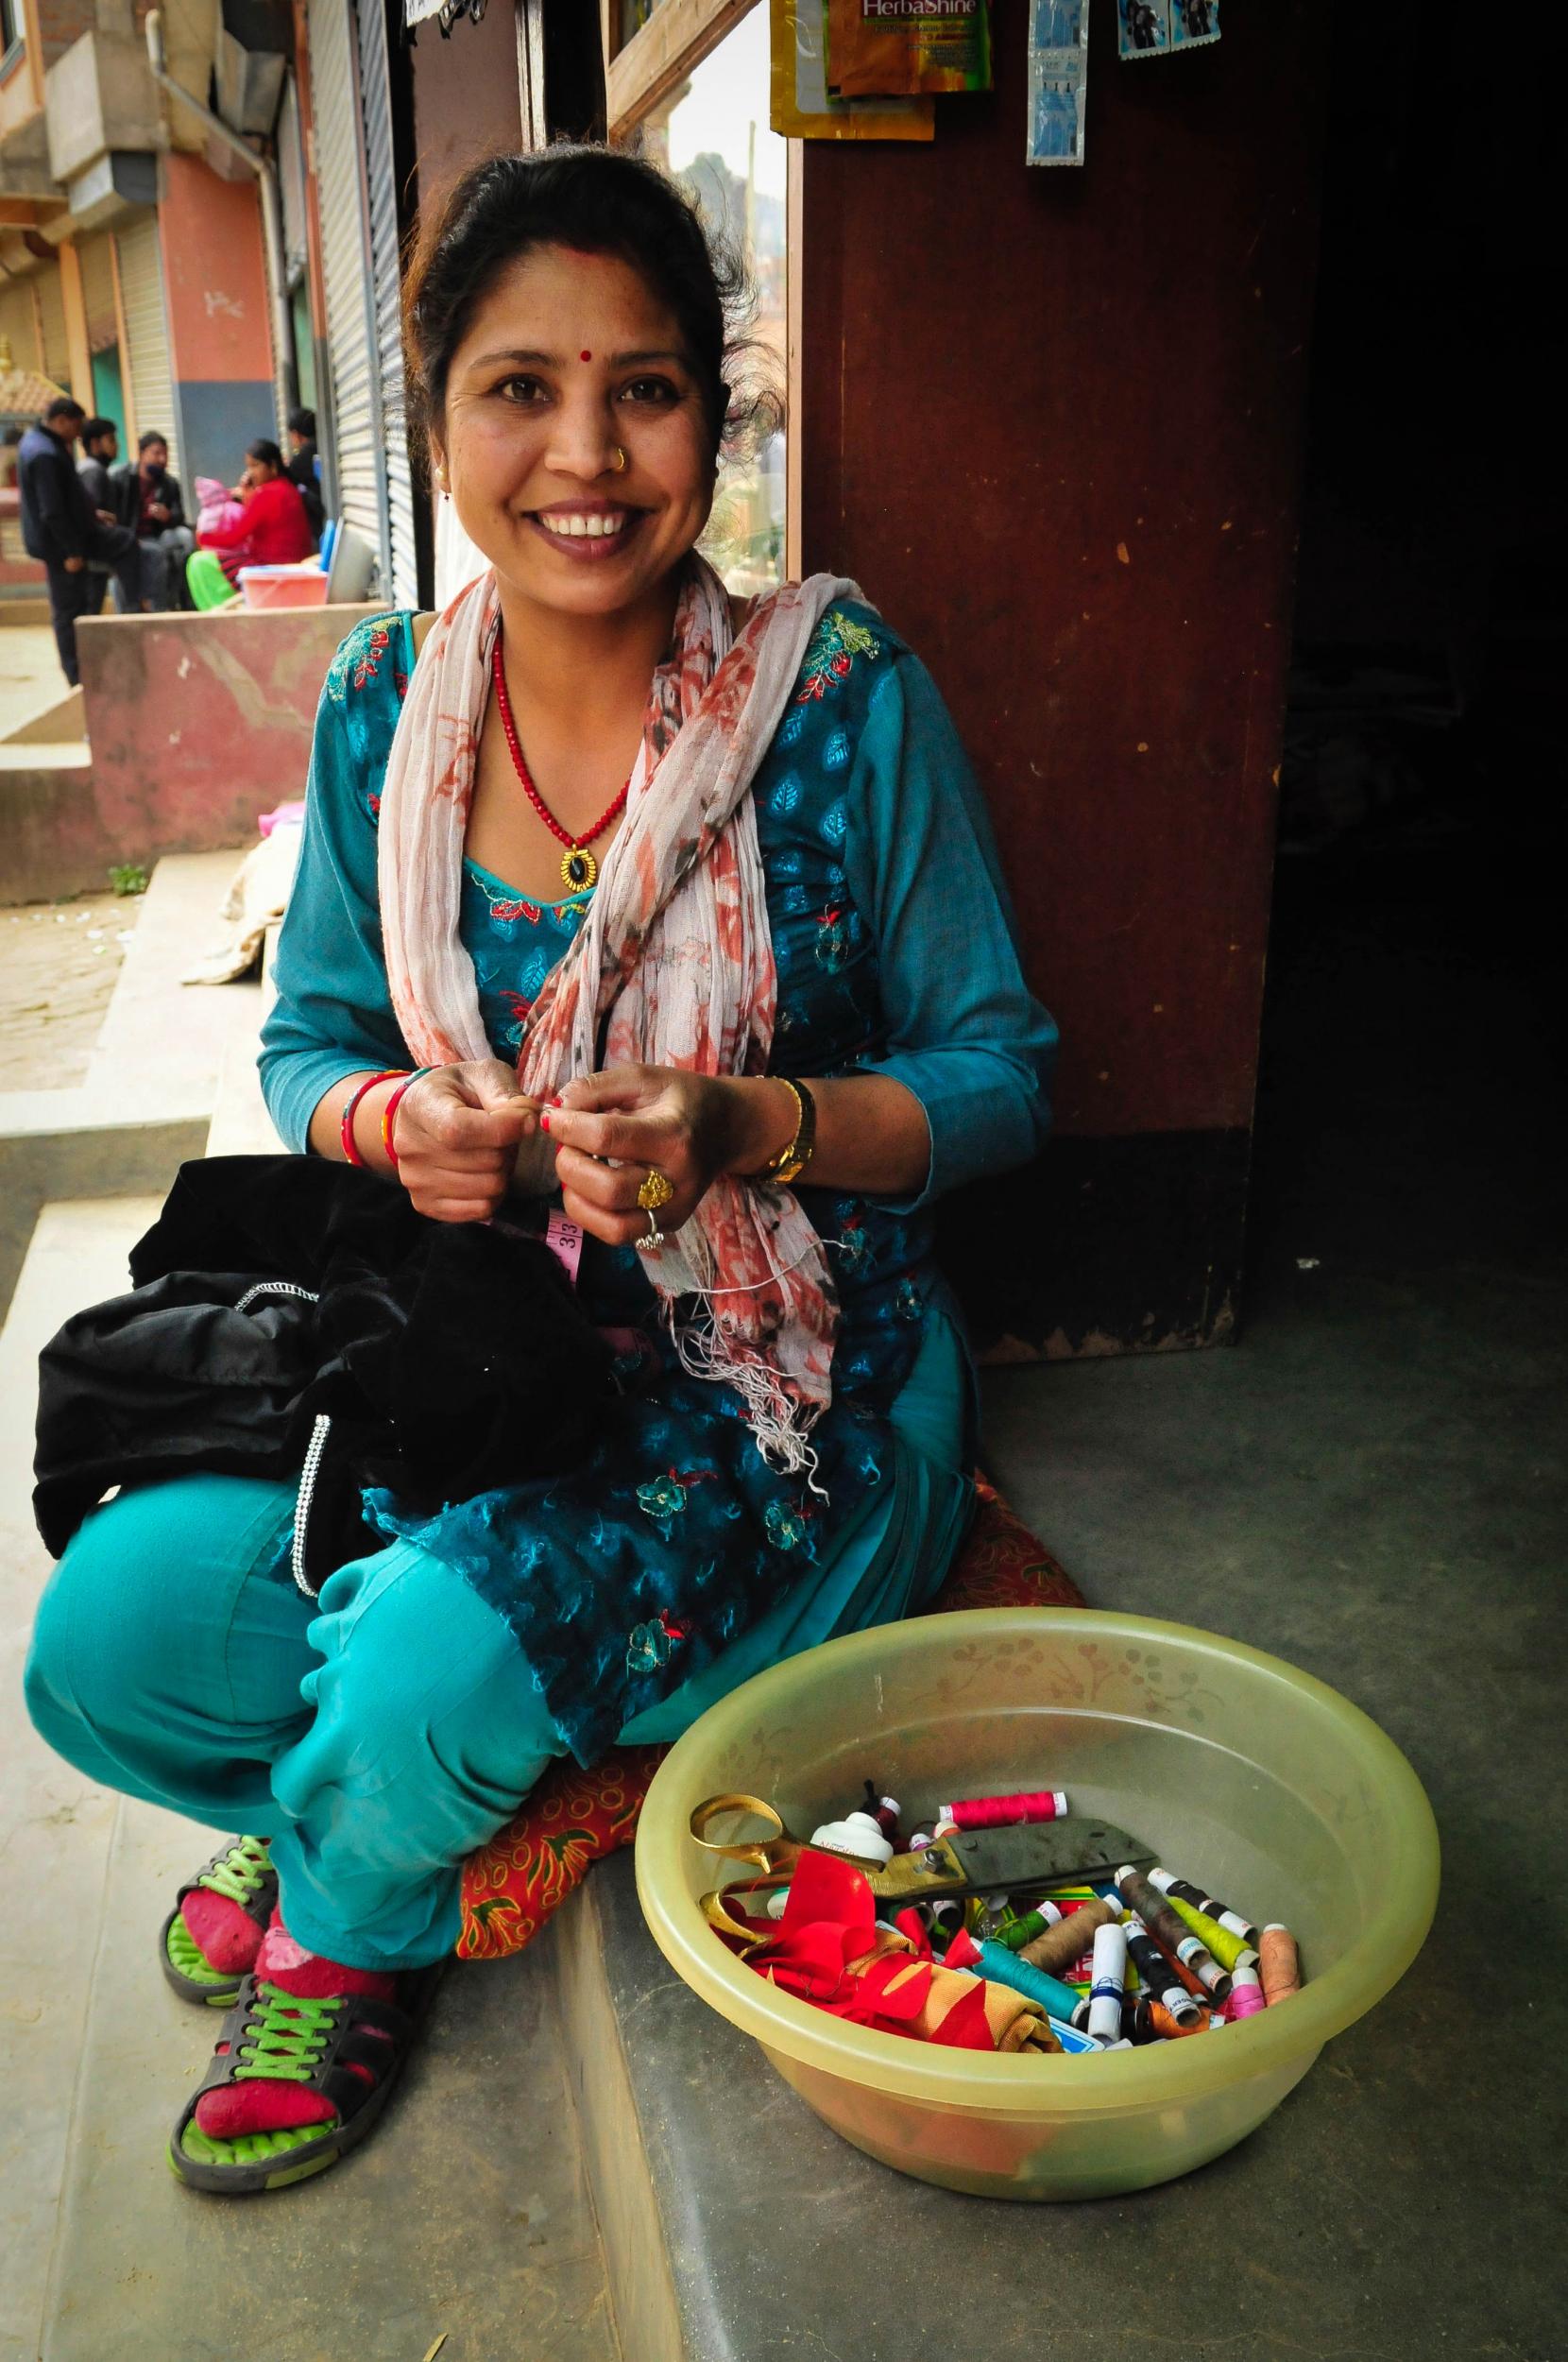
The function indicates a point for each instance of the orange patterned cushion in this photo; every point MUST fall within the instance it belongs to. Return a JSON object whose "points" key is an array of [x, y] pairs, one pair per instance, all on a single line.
{"points": [[511, 1886]]}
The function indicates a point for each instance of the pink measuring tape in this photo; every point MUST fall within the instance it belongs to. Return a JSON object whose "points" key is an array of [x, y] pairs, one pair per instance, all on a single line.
{"points": [[565, 1240]]}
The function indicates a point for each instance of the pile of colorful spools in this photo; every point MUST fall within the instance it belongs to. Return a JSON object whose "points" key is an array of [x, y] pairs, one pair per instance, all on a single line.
{"points": [[1111, 1962]]}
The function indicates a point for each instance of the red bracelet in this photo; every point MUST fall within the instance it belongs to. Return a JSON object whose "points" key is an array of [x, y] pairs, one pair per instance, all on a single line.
{"points": [[346, 1121], [389, 1113]]}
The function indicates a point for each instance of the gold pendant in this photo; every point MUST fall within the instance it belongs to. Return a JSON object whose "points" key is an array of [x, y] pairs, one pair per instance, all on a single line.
{"points": [[578, 869]]}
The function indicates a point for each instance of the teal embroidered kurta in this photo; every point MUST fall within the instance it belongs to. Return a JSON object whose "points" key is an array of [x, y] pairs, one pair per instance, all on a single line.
{"points": [[895, 954]]}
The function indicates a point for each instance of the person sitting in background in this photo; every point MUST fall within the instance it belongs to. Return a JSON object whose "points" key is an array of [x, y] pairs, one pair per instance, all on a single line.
{"points": [[100, 440], [304, 468], [59, 524], [272, 528], [148, 497]]}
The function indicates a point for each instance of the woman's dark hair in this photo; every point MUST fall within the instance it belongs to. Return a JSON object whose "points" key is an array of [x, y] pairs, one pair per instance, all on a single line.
{"points": [[145, 442], [600, 203], [302, 423], [265, 451]]}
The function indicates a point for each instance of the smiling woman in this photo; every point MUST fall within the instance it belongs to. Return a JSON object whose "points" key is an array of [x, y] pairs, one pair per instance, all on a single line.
{"points": [[775, 1013]]}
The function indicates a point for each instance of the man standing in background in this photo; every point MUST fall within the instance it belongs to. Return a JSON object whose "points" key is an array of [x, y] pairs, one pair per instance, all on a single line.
{"points": [[59, 524]]}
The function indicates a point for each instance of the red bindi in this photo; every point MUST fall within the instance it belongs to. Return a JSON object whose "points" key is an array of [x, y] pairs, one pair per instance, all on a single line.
{"points": [[585, 356]]}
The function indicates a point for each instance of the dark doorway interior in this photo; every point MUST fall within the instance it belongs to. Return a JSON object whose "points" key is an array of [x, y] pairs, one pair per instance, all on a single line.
{"points": [[1409, 1093]]}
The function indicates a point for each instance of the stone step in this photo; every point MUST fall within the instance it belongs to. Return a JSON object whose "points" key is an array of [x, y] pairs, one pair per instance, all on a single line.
{"points": [[55, 1826], [469, 2214], [153, 1080]]}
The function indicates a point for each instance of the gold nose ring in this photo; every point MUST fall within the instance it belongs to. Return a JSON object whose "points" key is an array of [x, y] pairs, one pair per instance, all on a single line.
{"points": [[622, 462]]}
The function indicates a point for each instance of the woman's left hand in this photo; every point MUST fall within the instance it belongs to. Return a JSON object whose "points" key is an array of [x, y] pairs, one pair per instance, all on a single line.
{"points": [[692, 1127]]}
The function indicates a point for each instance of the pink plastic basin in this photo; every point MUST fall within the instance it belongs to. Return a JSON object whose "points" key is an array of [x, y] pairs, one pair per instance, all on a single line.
{"points": [[283, 586]]}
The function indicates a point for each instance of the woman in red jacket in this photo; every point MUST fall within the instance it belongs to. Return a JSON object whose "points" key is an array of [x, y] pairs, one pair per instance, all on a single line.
{"points": [[272, 528]]}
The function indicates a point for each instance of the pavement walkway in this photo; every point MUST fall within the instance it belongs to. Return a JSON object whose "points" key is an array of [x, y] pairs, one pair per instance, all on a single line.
{"points": [[30, 678]]}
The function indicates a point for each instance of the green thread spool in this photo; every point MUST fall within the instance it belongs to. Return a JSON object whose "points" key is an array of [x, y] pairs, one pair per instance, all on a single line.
{"points": [[1015, 1934], [1227, 1949]]}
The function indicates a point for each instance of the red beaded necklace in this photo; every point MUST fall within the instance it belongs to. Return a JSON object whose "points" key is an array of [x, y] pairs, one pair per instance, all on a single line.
{"points": [[579, 867]]}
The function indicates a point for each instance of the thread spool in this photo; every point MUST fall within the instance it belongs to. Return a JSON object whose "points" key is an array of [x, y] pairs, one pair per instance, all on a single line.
{"points": [[1227, 1949], [1246, 1992], [1157, 1975], [945, 1920], [884, 1810], [1005, 1812], [1002, 1967], [1032, 1923], [1058, 1947], [1222, 1915], [1153, 1909], [1163, 2026], [1279, 1963], [1171, 1885], [857, 1834], [1107, 1984]]}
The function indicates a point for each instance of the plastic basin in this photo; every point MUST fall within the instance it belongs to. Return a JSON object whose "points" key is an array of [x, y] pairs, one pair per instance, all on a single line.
{"points": [[283, 586], [1232, 1765]]}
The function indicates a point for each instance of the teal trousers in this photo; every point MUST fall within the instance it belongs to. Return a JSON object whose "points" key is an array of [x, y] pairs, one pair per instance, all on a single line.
{"points": [[382, 1733]]}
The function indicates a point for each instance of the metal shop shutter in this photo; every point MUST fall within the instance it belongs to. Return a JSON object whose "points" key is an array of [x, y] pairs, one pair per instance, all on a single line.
{"points": [[151, 384], [385, 277], [355, 402]]}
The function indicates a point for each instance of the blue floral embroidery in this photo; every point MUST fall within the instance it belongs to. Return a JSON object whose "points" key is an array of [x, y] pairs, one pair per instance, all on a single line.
{"points": [[652, 1643], [359, 659], [830, 658], [785, 1525]]}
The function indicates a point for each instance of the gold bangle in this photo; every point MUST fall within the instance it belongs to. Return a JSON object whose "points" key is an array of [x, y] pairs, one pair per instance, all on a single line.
{"points": [[791, 1159]]}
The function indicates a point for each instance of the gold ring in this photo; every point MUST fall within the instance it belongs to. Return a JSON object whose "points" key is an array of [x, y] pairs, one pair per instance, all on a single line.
{"points": [[621, 460], [656, 1190]]}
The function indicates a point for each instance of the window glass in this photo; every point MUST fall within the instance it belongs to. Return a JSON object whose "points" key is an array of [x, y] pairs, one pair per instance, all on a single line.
{"points": [[712, 134]]}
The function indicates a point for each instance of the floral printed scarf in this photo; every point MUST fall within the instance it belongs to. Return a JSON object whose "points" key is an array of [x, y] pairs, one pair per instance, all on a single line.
{"points": [[672, 965]]}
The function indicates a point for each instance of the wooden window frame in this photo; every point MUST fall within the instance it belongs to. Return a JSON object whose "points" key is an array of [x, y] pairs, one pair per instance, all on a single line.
{"points": [[677, 37]]}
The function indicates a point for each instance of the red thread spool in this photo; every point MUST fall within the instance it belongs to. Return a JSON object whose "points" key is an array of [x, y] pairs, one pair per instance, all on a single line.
{"points": [[1006, 1812]]}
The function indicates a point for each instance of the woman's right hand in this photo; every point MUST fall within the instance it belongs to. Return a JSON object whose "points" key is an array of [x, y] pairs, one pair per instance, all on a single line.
{"points": [[458, 1132]]}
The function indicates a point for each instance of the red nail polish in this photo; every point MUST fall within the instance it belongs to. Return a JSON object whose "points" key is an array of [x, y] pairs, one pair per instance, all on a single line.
{"points": [[544, 1118], [554, 1103]]}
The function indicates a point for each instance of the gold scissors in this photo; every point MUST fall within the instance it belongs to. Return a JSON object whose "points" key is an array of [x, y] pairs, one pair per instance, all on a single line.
{"points": [[773, 1854]]}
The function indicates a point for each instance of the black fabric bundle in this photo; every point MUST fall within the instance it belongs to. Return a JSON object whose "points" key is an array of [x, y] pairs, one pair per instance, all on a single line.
{"points": [[451, 1359]]}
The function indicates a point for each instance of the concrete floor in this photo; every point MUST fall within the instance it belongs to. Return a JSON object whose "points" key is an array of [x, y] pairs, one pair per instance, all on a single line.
{"points": [[1371, 1485]]}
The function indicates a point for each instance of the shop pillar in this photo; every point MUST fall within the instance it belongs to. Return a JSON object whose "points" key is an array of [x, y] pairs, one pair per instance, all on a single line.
{"points": [[220, 343]]}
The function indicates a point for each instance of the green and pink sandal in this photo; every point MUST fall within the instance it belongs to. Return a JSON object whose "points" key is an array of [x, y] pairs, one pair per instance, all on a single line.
{"points": [[285, 2050], [242, 1872]]}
